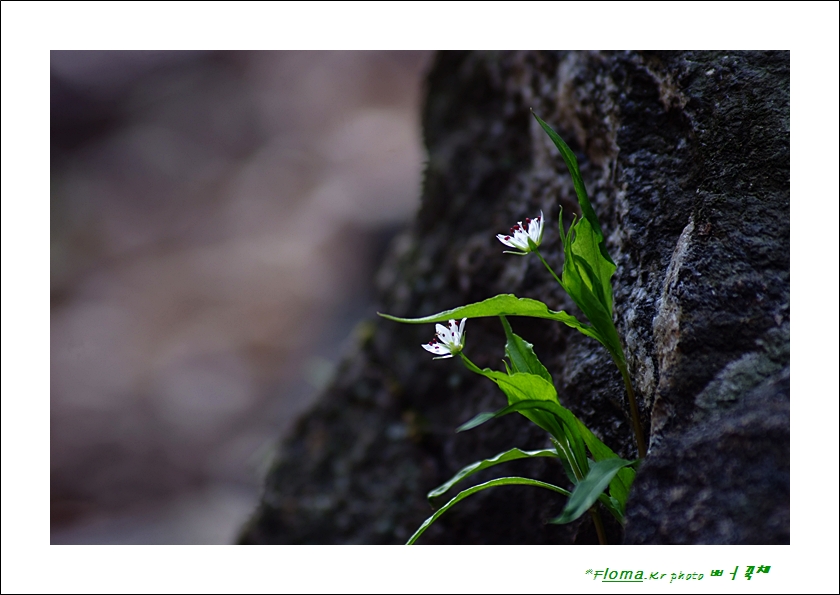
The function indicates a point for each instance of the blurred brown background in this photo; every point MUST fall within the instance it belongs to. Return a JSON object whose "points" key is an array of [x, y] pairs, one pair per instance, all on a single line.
{"points": [[216, 218]]}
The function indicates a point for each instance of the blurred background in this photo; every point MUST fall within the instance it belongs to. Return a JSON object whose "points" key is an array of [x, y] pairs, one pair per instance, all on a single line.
{"points": [[216, 221]]}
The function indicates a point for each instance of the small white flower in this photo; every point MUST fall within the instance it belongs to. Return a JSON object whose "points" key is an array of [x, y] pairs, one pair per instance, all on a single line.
{"points": [[524, 237], [448, 341]]}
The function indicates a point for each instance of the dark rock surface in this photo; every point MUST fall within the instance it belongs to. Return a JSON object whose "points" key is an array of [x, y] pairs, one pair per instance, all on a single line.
{"points": [[686, 159]]}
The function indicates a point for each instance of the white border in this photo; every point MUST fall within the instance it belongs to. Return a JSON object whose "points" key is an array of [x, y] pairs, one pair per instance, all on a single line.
{"points": [[30, 30]]}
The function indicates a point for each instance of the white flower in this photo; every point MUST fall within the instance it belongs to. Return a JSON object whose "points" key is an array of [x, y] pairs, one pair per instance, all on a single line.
{"points": [[448, 341], [524, 237]]}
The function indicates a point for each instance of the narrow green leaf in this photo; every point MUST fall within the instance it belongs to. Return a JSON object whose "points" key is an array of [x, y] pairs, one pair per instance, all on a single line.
{"points": [[588, 267], [599, 450], [588, 491], [502, 481], [521, 386], [518, 387], [510, 305], [611, 504], [502, 305], [590, 291], [602, 323], [596, 270], [482, 418], [563, 451], [567, 426], [521, 354], [509, 455], [620, 484], [477, 421], [583, 198]]}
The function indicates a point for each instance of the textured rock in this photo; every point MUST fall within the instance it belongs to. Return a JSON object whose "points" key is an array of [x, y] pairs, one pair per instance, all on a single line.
{"points": [[686, 159]]}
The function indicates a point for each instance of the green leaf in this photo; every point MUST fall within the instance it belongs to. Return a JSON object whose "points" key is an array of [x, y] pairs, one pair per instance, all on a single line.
{"points": [[620, 484], [478, 420], [521, 386], [583, 199], [585, 273], [590, 291], [611, 504], [521, 354], [502, 305], [568, 434], [510, 455], [588, 267], [502, 481], [596, 271], [588, 491]]}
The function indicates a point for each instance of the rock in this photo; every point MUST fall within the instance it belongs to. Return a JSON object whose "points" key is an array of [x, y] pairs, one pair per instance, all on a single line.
{"points": [[686, 159]]}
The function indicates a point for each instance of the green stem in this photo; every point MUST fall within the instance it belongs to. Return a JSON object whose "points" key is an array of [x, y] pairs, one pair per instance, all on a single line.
{"points": [[470, 366], [634, 411], [572, 461], [550, 270], [599, 525]]}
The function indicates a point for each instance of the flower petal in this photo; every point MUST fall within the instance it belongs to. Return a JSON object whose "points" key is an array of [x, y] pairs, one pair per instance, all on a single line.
{"points": [[505, 240], [437, 349], [520, 241]]}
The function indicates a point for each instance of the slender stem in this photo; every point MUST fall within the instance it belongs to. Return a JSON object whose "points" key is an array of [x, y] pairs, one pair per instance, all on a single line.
{"points": [[550, 270], [572, 462], [634, 411], [470, 366], [599, 525]]}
